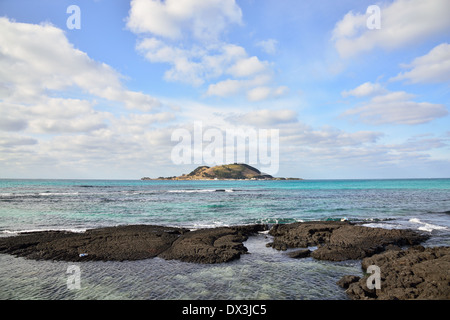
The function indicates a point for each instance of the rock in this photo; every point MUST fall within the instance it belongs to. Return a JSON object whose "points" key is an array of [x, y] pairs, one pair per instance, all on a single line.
{"points": [[338, 241], [112, 243], [298, 254], [303, 234], [134, 242], [414, 273], [207, 246], [346, 281]]}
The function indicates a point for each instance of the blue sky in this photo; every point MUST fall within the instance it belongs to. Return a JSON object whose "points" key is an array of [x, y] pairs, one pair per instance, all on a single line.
{"points": [[103, 101]]}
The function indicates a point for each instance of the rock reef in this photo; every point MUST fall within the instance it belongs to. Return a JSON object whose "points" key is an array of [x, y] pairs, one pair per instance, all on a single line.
{"points": [[134, 242], [413, 272], [338, 241]]}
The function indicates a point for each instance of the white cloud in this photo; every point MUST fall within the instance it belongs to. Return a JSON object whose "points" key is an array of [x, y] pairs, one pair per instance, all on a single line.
{"points": [[302, 135], [264, 117], [262, 93], [403, 22], [433, 67], [139, 123], [204, 20], [256, 88], [397, 108], [226, 88], [38, 58], [41, 126], [9, 140], [52, 115], [269, 46], [247, 67], [366, 89], [207, 59], [259, 93], [196, 65]]}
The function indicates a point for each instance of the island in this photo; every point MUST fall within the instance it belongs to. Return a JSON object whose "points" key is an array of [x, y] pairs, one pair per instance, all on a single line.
{"points": [[235, 171]]}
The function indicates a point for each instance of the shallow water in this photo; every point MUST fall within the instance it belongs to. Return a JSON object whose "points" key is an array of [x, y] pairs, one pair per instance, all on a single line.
{"points": [[265, 273]]}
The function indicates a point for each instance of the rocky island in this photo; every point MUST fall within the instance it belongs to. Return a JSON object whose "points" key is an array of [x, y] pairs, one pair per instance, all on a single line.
{"points": [[235, 171]]}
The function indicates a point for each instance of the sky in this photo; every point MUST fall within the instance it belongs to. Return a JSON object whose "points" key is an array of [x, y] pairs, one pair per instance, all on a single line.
{"points": [[354, 89]]}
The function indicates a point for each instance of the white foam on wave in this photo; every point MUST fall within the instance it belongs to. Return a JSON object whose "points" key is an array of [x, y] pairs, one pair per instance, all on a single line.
{"points": [[200, 190], [384, 225], [15, 232], [27, 194], [58, 193], [212, 224], [426, 226]]}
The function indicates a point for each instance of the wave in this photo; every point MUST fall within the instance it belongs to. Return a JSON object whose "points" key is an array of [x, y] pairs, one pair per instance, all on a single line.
{"points": [[277, 220], [16, 232], [58, 193], [36, 194], [201, 190], [426, 226]]}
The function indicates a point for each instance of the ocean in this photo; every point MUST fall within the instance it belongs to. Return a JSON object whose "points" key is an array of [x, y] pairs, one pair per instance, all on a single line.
{"points": [[264, 273]]}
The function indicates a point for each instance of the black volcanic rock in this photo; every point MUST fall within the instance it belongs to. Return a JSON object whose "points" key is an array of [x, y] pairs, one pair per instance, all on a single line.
{"points": [[298, 254], [211, 245], [134, 242], [415, 273], [339, 241]]}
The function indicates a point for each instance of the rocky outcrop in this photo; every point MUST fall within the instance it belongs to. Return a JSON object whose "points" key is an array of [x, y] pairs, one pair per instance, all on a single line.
{"points": [[134, 242], [112, 243], [211, 245], [414, 273], [338, 241]]}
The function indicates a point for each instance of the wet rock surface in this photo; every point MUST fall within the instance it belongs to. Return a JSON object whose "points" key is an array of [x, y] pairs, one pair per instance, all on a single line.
{"points": [[412, 273], [211, 245], [338, 241], [415, 273], [134, 242], [112, 243]]}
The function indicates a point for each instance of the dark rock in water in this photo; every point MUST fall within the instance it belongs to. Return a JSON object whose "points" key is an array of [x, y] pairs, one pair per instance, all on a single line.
{"points": [[346, 281], [302, 234], [338, 241], [134, 242], [208, 246], [298, 254], [414, 273]]}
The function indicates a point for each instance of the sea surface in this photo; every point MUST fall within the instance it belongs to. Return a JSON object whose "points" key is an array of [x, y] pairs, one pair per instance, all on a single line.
{"points": [[264, 273]]}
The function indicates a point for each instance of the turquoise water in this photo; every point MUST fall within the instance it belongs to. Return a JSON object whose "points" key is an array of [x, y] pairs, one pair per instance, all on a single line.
{"points": [[421, 204]]}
